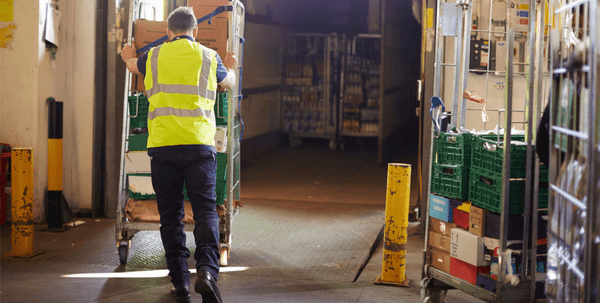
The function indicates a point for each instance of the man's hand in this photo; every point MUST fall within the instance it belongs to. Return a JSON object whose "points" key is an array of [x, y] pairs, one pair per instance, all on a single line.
{"points": [[230, 61], [128, 52], [128, 55]]}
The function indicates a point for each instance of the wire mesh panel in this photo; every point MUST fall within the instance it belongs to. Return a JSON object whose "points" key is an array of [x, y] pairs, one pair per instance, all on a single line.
{"points": [[573, 208]]}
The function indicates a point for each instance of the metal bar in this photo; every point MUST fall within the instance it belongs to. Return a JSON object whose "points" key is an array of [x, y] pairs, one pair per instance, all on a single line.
{"points": [[506, 167], [529, 106], [465, 59], [569, 6], [591, 271], [448, 64], [569, 197], [570, 132], [457, 96], [463, 285]]}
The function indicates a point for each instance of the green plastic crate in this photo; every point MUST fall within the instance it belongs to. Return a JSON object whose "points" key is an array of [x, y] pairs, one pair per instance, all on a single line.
{"points": [[221, 192], [138, 196], [138, 142], [454, 149], [488, 155], [450, 181], [139, 104], [485, 191], [221, 166], [221, 108]]}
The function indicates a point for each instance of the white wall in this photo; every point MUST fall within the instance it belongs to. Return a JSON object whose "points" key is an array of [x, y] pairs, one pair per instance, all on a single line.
{"points": [[28, 79], [262, 67]]}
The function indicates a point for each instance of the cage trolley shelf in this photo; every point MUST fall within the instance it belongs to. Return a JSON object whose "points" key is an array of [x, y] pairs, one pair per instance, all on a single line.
{"points": [[227, 113], [459, 65]]}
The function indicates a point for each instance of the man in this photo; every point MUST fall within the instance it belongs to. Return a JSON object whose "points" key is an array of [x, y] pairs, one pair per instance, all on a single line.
{"points": [[181, 78]]}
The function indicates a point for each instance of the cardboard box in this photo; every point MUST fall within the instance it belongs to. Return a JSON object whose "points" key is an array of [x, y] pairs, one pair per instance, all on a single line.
{"points": [[145, 32], [439, 241], [221, 139], [137, 162], [467, 247], [460, 218], [439, 208], [466, 271], [214, 35], [477, 221], [441, 227], [440, 259]]}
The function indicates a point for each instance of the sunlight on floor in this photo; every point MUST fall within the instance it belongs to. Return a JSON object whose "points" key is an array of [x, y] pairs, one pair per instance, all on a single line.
{"points": [[142, 274]]}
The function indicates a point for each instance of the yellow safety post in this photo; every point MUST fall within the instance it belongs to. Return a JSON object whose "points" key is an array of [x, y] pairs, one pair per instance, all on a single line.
{"points": [[396, 224], [22, 203]]}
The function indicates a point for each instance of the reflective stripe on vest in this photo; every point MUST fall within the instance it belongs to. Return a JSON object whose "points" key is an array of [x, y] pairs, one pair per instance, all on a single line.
{"points": [[200, 90], [178, 112]]}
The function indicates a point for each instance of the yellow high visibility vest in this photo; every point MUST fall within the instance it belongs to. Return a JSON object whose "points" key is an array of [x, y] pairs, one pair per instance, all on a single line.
{"points": [[181, 85]]}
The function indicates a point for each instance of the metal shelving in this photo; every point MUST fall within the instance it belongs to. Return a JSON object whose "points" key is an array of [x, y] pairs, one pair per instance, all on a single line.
{"points": [[360, 88], [309, 105]]}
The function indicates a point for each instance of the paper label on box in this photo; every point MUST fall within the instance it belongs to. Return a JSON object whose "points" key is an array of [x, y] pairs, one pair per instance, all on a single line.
{"points": [[438, 208], [439, 201]]}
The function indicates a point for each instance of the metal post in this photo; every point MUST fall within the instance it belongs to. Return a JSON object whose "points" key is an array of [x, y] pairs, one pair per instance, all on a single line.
{"points": [[22, 203], [396, 221], [506, 169]]}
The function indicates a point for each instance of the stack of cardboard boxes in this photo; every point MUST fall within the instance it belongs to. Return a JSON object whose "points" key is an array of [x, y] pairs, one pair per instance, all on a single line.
{"points": [[464, 241], [212, 35]]}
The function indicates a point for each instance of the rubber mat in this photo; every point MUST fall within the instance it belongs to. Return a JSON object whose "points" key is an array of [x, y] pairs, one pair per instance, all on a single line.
{"points": [[283, 239]]}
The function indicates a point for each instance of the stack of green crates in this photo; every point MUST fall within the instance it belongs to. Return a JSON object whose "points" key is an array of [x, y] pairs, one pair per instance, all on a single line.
{"points": [[221, 120], [450, 173], [485, 182]]}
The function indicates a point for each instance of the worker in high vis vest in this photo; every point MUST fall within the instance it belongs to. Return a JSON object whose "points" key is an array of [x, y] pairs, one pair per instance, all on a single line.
{"points": [[181, 78]]}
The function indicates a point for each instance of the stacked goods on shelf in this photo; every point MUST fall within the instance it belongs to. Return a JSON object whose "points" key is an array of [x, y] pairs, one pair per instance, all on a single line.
{"points": [[360, 104], [137, 161], [473, 230], [304, 104], [304, 109]]}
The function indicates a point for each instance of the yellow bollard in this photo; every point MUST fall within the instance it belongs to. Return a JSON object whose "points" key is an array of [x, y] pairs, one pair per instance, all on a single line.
{"points": [[396, 222], [22, 204]]}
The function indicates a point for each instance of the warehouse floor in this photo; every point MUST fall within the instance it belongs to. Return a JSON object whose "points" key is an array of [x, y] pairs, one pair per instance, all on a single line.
{"points": [[310, 216]]}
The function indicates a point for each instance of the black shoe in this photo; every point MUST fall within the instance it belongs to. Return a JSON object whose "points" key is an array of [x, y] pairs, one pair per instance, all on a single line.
{"points": [[181, 294], [207, 287]]}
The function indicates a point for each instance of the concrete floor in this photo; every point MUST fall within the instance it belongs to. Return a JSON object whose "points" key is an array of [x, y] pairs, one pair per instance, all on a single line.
{"points": [[291, 196]]}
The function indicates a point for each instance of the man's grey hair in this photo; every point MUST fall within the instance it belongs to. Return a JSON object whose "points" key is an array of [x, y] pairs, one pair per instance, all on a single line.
{"points": [[182, 19]]}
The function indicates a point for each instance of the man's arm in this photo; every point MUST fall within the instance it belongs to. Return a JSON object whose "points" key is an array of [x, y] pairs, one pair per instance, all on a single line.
{"points": [[128, 56], [230, 63]]}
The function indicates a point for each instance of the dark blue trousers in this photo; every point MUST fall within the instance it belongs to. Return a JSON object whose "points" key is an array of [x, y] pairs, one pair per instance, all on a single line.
{"points": [[197, 168]]}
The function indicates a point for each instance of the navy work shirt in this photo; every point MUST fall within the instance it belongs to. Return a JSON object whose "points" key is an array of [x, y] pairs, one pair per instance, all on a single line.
{"points": [[221, 74]]}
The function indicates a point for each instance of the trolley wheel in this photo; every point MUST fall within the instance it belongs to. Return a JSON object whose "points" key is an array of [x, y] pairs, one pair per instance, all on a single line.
{"points": [[435, 296], [224, 260], [295, 141], [123, 252], [332, 144]]}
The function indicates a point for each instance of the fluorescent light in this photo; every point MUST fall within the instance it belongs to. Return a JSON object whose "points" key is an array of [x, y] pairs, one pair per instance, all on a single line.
{"points": [[141, 274]]}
